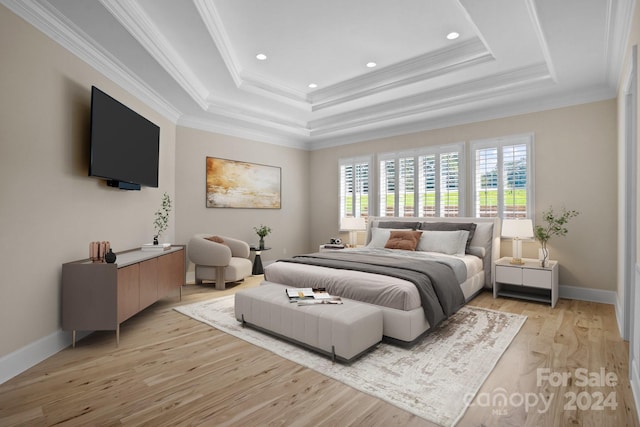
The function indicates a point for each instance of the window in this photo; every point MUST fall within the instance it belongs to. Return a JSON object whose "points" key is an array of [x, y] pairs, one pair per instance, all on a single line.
{"points": [[422, 183], [503, 177], [355, 175]]}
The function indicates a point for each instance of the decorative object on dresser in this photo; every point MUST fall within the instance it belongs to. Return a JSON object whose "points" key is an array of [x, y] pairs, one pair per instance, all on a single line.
{"points": [[517, 229], [527, 281], [435, 379], [98, 250], [110, 257], [353, 225], [262, 232], [556, 226], [99, 296], [161, 221]]}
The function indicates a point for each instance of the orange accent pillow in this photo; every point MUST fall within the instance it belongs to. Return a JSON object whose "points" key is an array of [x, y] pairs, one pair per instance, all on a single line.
{"points": [[407, 240], [216, 239]]}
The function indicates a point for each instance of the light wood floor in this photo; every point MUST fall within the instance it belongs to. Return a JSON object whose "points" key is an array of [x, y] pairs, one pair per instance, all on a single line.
{"points": [[172, 370]]}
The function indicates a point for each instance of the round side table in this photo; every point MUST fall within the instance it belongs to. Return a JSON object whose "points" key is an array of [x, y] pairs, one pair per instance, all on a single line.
{"points": [[257, 262]]}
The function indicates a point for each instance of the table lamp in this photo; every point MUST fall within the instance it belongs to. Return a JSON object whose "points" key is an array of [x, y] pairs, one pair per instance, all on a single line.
{"points": [[352, 225], [517, 229]]}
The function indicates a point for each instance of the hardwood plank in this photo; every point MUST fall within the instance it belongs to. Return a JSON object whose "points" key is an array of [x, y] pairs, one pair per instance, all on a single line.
{"points": [[171, 370]]}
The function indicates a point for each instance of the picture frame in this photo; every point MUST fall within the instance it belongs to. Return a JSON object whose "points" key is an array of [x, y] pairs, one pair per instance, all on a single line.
{"points": [[242, 185]]}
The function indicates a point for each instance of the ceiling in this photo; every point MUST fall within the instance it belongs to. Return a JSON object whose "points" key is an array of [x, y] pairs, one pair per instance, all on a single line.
{"points": [[195, 61]]}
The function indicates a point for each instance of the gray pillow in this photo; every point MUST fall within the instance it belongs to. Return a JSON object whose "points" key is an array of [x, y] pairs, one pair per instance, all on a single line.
{"points": [[399, 224], [451, 226]]}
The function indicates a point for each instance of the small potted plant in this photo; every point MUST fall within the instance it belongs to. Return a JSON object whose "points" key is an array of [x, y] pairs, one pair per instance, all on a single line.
{"points": [[555, 226], [161, 221], [262, 232]]}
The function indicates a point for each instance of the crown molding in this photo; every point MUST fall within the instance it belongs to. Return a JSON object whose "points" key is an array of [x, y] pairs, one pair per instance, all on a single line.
{"points": [[136, 21], [619, 17], [421, 124], [403, 115], [542, 40], [49, 21], [211, 19], [257, 118], [451, 96], [465, 54], [273, 90], [240, 129], [424, 67]]}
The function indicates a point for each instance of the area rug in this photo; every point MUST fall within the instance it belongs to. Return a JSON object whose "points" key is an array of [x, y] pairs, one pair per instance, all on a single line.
{"points": [[435, 379]]}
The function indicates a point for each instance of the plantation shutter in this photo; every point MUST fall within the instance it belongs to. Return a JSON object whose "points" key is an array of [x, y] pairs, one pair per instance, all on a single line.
{"points": [[503, 177], [423, 182], [354, 187]]}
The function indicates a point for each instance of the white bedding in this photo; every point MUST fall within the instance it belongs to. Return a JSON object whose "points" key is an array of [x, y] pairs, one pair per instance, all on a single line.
{"points": [[372, 288], [405, 320]]}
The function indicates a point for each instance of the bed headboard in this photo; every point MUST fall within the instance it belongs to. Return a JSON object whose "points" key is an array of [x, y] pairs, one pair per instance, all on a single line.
{"points": [[487, 236]]}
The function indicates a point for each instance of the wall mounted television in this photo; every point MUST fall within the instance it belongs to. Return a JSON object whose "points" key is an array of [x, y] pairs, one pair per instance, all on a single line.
{"points": [[125, 147]]}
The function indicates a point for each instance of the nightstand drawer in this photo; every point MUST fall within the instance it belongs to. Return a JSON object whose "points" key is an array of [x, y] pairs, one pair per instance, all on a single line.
{"points": [[512, 275], [537, 278]]}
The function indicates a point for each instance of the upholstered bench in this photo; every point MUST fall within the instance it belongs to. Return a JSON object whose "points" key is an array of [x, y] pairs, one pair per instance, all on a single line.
{"points": [[341, 331]]}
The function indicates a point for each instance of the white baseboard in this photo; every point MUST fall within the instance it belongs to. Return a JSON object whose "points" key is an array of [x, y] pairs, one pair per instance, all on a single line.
{"points": [[30, 355], [586, 294], [634, 379]]}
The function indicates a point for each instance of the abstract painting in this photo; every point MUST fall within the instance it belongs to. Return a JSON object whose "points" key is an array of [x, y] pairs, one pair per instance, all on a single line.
{"points": [[235, 184]]}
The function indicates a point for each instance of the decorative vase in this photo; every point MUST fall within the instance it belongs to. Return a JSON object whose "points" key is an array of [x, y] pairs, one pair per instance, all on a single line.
{"points": [[155, 240], [261, 243], [543, 256], [110, 257]]}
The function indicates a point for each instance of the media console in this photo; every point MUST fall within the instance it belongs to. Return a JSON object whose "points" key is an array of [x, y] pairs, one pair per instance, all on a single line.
{"points": [[100, 296]]}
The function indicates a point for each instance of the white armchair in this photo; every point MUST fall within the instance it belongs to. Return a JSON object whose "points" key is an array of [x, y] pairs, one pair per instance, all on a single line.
{"points": [[220, 262]]}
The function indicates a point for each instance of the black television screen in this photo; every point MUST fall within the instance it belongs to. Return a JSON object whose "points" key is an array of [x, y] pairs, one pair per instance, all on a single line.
{"points": [[125, 146]]}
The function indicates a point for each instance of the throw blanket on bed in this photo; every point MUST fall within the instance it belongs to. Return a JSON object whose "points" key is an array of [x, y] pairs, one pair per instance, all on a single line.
{"points": [[439, 290]]}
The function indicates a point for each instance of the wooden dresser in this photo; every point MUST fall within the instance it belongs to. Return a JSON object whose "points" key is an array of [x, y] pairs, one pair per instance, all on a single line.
{"points": [[100, 296]]}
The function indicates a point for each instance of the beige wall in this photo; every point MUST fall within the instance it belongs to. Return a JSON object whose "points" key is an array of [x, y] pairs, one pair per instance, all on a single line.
{"points": [[289, 225], [49, 208], [575, 166]]}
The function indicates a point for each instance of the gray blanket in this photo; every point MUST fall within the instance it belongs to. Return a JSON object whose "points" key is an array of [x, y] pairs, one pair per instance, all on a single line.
{"points": [[439, 290]]}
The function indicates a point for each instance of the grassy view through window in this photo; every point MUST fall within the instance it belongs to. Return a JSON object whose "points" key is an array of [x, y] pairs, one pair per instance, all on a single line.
{"points": [[514, 201]]}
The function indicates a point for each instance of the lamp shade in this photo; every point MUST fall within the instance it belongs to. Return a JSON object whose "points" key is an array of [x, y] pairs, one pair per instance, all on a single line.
{"points": [[517, 228], [349, 223]]}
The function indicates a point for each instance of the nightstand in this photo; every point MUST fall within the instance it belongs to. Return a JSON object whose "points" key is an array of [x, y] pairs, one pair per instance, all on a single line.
{"points": [[526, 281]]}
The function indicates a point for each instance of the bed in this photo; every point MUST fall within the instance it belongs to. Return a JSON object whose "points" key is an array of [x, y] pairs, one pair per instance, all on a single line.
{"points": [[454, 254]]}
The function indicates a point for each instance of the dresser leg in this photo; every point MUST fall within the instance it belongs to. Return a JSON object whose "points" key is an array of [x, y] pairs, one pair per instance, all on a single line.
{"points": [[118, 335], [73, 339]]}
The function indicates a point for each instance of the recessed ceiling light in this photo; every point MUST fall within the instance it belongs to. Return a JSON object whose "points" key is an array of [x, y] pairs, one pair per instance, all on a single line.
{"points": [[313, 85], [371, 64], [453, 35], [261, 56]]}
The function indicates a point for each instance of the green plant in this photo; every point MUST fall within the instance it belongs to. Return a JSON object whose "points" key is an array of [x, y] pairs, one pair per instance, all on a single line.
{"points": [[555, 226], [161, 221], [262, 231]]}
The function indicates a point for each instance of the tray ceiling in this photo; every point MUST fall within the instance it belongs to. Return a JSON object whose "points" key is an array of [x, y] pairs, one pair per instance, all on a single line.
{"points": [[195, 61]]}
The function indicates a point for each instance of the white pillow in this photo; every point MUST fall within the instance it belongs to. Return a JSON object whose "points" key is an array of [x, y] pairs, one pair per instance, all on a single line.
{"points": [[379, 237], [446, 242]]}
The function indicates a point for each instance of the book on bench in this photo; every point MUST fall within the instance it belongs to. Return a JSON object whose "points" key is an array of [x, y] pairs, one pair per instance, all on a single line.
{"points": [[310, 296]]}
